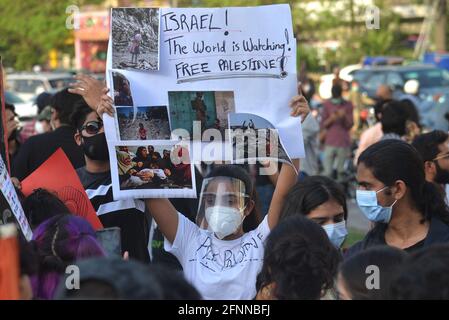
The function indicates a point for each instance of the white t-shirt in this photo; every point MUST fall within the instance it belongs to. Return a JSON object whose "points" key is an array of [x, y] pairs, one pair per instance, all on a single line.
{"points": [[219, 269]]}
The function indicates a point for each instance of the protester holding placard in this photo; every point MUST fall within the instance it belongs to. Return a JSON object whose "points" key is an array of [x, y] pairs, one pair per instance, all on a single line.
{"points": [[218, 258], [129, 215], [236, 204]]}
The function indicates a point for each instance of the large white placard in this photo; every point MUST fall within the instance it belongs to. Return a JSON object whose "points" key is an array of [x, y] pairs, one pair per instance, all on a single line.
{"points": [[247, 51]]}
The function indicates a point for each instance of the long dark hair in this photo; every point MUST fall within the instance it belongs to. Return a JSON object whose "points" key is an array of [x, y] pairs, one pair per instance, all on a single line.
{"points": [[310, 193], [139, 152], [233, 171], [392, 160], [394, 118], [299, 259]]}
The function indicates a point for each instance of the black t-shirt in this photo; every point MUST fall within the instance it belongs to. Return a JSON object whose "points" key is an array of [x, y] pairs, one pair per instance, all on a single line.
{"points": [[415, 247], [438, 233], [129, 215], [39, 148]]}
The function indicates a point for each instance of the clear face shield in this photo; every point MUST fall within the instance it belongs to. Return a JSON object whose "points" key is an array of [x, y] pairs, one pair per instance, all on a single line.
{"points": [[222, 205]]}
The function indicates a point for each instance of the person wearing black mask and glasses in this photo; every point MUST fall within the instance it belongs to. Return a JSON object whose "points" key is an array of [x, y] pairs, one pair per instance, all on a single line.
{"points": [[129, 215], [434, 150]]}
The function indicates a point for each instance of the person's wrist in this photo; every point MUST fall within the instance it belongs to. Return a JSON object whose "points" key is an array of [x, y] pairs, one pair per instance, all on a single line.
{"points": [[98, 109]]}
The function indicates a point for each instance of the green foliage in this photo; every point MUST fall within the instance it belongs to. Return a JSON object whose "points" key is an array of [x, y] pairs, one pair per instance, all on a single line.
{"points": [[30, 28], [339, 22], [229, 3], [309, 56], [353, 237]]}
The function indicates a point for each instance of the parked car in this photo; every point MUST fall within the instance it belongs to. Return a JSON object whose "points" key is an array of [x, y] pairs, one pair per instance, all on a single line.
{"points": [[433, 81], [24, 109], [382, 60], [346, 74], [29, 85]]}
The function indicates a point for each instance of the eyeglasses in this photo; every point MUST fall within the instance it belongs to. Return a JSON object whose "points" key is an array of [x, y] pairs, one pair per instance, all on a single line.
{"points": [[92, 127]]}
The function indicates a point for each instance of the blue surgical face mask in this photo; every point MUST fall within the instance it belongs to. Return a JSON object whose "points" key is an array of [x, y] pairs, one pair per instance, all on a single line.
{"points": [[367, 201], [336, 232]]}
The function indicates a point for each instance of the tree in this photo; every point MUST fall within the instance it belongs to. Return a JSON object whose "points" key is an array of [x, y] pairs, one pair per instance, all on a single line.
{"points": [[30, 28]]}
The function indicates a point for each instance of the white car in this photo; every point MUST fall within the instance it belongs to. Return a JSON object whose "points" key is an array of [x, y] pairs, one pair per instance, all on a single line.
{"points": [[29, 85], [24, 109], [325, 87]]}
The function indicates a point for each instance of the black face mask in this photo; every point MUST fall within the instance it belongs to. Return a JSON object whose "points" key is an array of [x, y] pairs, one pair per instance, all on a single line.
{"points": [[442, 176], [96, 147]]}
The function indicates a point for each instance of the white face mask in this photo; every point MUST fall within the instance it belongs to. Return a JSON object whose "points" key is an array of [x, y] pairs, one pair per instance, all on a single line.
{"points": [[223, 221]]}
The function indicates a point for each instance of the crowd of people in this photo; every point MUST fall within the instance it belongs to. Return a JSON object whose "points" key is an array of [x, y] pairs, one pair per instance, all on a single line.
{"points": [[241, 239]]}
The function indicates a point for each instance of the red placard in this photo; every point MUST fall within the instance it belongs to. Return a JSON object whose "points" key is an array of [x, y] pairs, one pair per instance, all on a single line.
{"points": [[57, 174]]}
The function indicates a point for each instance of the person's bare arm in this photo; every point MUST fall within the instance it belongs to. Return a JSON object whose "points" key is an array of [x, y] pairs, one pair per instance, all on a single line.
{"points": [[165, 216], [274, 178], [287, 179], [271, 170]]}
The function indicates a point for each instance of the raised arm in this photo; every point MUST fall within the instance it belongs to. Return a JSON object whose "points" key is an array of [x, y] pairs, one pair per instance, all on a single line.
{"points": [[94, 93], [165, 216], [286, 180]]}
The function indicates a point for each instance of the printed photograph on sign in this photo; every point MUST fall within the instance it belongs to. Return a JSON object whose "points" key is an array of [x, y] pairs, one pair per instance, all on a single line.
{"points": [[254, 137], [122, 90], [154, 167], [135, 38], [6, 215], [143, 123], [209, 108]]}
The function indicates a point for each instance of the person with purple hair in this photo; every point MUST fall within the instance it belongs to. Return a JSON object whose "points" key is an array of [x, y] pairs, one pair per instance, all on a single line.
{"points": [[61, 241]]}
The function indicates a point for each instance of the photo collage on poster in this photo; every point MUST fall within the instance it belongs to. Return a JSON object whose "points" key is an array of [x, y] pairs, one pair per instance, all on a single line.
{"points": [[147, 133], [152, 167]]}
